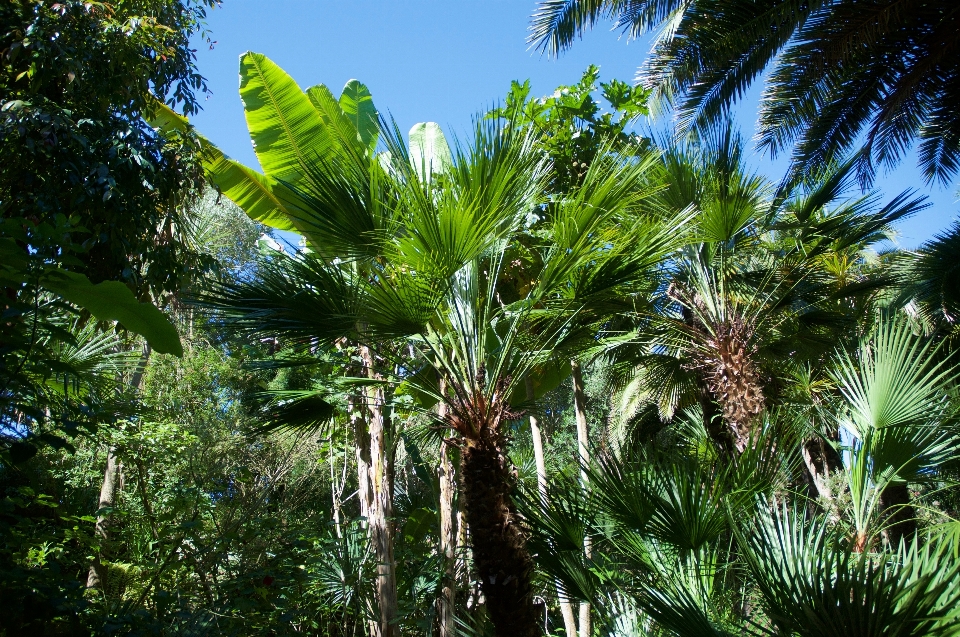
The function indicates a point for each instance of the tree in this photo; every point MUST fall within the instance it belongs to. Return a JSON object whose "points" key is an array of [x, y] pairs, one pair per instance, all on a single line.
{"points": [[767, 286], [930, 289], [841, 72], [572, 129], [90, 211], [413, 243]]}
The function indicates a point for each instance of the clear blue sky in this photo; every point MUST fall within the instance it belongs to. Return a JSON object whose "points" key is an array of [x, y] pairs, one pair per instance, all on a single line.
{"points": [[442, 61]]}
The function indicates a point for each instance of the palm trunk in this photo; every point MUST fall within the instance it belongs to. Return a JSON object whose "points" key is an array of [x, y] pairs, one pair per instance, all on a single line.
{"points": [[898, 513], [448, 537], [566, 608], [96, 574], [380, 514], [583, 446], [500, 555]]}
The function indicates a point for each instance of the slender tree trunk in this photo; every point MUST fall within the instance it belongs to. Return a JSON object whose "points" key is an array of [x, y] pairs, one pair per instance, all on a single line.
{"points": [[583, 447], [336, 492], [448, 545], [380, 518], [898, 513], [448, 534], [96, 574], [566, 608], [464, 560], [361, 436]]}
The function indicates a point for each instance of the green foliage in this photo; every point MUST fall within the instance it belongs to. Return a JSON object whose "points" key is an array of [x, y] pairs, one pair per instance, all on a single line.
{"points": [[769, 456], [841, 73], [570, 126], [91, 224]]}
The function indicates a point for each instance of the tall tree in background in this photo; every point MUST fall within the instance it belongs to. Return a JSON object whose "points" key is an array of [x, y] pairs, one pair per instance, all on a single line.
{"points": [[884, 73]]}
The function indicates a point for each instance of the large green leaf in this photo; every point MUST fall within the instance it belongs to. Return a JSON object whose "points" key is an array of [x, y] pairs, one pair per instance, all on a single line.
{"points": [[357, 104], [113, 301], [338, 124], [429, 151], [286, 130], [260, 196]]}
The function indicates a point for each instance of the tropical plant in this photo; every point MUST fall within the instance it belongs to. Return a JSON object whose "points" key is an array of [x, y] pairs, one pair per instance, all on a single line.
{"points": [[768, 284], [90, 212], [842, 73], [896, 411], [929, 283], [416, 243]]}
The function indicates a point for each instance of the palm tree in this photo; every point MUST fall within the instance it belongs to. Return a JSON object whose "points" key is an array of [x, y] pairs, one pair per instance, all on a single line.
{"points": [[417, 246], [768, 285], [699, 547], [931, 287], [896, 410], [841, 71], [440, 283]]}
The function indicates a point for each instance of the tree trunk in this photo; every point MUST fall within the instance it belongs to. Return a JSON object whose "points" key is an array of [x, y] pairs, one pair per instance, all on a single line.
{"points": [[566, 608], [448, 537], [898, 513], [821, 460], [361, 437], [96, 574], [380, 515], [583, 447], [500, 555]]}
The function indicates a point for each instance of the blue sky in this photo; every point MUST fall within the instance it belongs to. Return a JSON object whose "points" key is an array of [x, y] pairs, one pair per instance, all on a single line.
{"points": [[443, 61]]}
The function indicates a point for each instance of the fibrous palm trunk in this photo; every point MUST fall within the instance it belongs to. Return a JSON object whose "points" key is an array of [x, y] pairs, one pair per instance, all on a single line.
{"points": [[500, 557], [733, 379], [502, 562]]}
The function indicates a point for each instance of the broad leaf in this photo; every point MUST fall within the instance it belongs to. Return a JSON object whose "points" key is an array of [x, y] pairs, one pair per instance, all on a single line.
{"points": [[113, 301], [338, 123], [257, 194], [287, 132], [357, 104], [429, 151], [261, 197]]}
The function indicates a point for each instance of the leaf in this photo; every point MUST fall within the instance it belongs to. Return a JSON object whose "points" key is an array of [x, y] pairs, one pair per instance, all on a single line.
{"points": [[113, 301], [260, 196], [419, 524], [357, 104], [429, 151], [286, 130], [338, 124]]}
